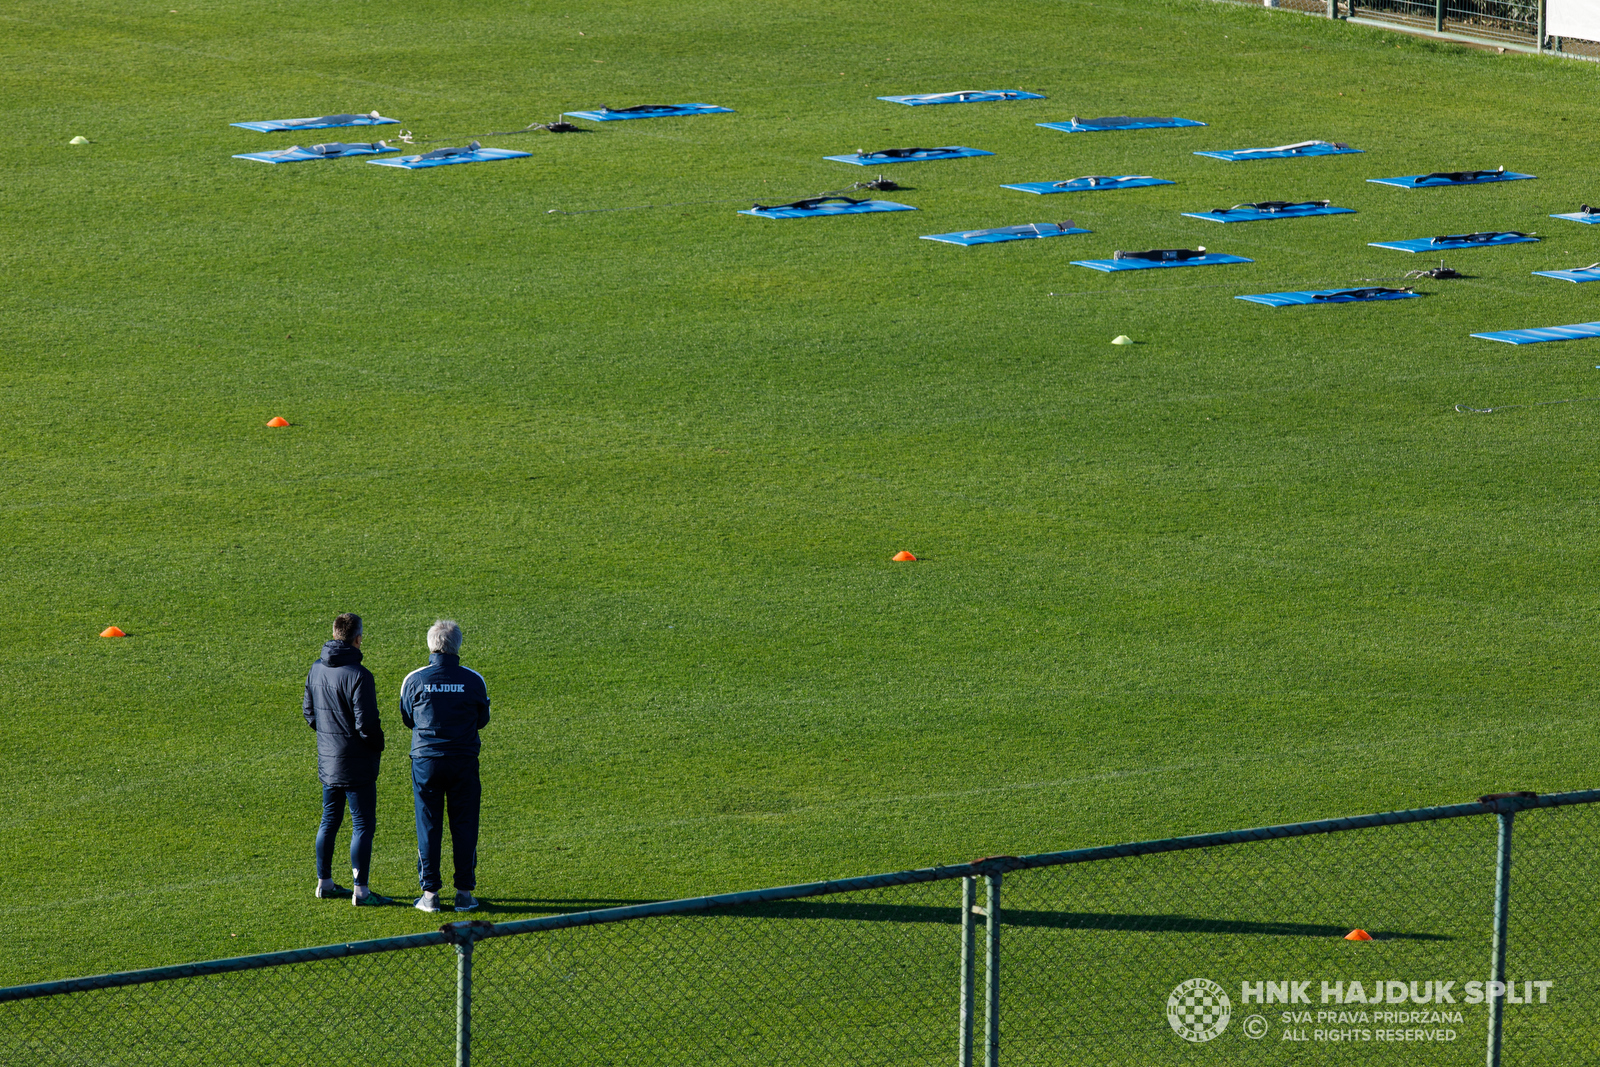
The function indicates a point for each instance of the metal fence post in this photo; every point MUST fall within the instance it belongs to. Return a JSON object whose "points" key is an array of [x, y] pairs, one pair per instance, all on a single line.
{"points": [[969, 946], [991, 975], [1497, 951], [1543, 25], [463, 936], [1438, 16], [464, 1004], [1333, 9]]}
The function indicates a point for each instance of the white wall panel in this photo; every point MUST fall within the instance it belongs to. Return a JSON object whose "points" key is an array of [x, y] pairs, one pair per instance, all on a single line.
{"points": [[1574, 18]]}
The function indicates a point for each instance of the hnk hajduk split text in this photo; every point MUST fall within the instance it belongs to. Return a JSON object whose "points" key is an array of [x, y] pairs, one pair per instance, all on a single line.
{"points": [[1395, 992]]}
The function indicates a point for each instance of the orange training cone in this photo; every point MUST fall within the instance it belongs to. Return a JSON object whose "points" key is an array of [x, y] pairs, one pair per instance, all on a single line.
{"points": [[1358, 935], [277, 420], [903, 557], [112, 631]]}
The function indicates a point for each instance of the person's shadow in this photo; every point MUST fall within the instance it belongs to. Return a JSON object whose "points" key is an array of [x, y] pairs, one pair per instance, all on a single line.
{"points": [[549, 906], [861, 911]]}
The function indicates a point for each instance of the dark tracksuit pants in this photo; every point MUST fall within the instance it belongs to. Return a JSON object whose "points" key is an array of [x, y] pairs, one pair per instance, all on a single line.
{"points": [[446, 787], [363, 801]]}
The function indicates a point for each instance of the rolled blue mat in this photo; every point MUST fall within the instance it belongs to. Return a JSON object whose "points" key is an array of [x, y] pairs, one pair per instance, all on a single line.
{"points": [[823, 205], [1269, 209], [908, 155], [1591, 273], [970, 96], [1092, 183], [331, 150], [1327, 296], [444, 157], [1179, 257], [1117, 122], [648, 111], [1456, 240], [322, 122], [1284, 151], [1438, 179], [1586, 215], [1545, 333], [1026, 231]]}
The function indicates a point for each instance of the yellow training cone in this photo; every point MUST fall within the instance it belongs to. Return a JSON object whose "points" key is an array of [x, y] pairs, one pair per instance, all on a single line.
{"points": [[79, 140], [1122, 339]]}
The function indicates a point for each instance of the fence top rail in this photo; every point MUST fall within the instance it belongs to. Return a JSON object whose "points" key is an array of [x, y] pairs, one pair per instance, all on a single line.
{"points": [[234, 963], [1500, 803]]}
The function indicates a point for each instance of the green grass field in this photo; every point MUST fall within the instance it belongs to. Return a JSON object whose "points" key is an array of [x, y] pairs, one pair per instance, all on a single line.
{"points": [[655, 459]]}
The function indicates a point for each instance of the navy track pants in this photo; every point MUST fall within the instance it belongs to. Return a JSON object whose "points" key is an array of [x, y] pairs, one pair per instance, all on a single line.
{"points": [[446, 787]]}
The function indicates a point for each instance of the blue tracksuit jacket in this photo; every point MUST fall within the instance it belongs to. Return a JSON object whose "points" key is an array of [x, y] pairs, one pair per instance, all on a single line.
{"points": [[444, 705]]}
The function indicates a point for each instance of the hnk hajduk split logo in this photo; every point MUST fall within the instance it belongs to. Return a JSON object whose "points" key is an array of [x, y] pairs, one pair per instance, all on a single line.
{"points": [[1390, 1011], [1198, 1010]]}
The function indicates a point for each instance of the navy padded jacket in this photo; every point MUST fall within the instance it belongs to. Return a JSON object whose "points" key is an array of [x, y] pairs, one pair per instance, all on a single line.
{"points": [[444, 705], [341, 705]]}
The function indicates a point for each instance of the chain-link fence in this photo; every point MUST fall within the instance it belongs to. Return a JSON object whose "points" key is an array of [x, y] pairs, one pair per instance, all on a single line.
{"points": [[1518, 24], [1222, 948]]}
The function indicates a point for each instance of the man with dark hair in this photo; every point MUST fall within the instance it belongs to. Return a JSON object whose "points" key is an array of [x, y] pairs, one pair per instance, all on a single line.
{"points": [[445, 705], [341, 705]]}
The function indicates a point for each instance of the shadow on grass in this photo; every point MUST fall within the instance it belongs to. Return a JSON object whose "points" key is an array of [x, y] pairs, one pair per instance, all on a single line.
{"points": [[917, 913], [552, 905], [1062, 920]]}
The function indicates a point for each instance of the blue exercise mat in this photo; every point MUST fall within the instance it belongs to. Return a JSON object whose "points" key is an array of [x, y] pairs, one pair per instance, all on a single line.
{"points": [[1454, 177], [331, 150], [1090, 184], [322, 122], [1586, 215], [1116, 122], [1591, 273], [1547, 333], [1026, 231], [1328, 296], [823, 205], [648, 111], [1284, 151], [1269, 209], [444, 157], [971, 96], [1093, 183], [908, 155], [1179, 257], [1456, 240]]}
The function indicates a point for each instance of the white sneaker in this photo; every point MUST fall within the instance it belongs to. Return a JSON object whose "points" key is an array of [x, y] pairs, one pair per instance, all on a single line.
{"points": [[428, 901], [465, 901]]}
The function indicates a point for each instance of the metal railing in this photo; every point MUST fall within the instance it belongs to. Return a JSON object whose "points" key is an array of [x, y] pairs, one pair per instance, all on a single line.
{"points": [[1223, 947], [1517, 25]]}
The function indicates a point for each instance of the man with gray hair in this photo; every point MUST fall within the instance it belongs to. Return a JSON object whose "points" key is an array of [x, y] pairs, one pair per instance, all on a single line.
{"points": [[444, 705]]}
